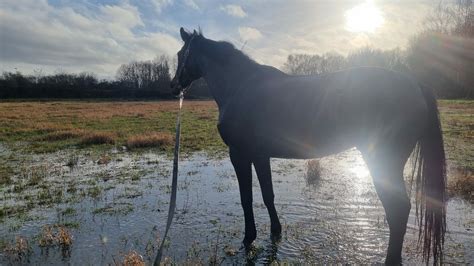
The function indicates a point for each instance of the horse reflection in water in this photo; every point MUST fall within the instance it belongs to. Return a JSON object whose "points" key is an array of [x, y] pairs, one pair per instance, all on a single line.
{"points": [[265, 113]]}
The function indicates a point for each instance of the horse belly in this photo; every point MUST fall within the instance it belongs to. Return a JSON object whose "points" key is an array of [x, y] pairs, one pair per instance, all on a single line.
{"points": [[303, 139]]}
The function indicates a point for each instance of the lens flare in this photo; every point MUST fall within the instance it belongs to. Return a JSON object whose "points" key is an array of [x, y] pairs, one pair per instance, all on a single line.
{"points": [[365, 17]]}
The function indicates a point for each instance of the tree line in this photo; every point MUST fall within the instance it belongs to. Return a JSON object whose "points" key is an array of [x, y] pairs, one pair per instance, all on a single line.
{"points": [[134, 80], [441, 57], [441, 62]]}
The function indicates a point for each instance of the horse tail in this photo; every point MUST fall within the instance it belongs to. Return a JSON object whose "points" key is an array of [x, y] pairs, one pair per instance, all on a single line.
{"points": [[430, 168]]}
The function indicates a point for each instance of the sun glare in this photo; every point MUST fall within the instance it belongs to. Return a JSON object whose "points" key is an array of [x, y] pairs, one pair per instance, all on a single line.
{"points": [[365, 17]]}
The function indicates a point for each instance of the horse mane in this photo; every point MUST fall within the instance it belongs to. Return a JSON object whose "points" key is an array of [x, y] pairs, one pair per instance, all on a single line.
{"points": [[223, 51]]}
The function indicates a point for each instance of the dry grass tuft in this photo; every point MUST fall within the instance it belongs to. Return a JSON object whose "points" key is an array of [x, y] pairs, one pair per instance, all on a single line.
{"points": [[64, 237], [149, 140], [20, 249], [132, 258], [313, 171], [50, 237], [462, 183], [93, 138], [104, 159], [47, 237]]}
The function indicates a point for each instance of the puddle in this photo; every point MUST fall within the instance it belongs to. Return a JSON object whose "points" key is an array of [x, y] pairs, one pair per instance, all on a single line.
{"points": [[122, 206]]}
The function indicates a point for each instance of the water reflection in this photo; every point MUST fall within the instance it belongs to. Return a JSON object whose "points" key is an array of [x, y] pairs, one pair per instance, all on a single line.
{"points": [[337, 220]]}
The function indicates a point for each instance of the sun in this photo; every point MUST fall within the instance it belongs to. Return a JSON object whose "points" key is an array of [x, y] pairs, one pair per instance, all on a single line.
{"points": [[365, 17]]}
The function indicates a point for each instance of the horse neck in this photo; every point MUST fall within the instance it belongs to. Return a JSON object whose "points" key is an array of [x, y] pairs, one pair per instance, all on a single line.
{"points": [[223, 79]]}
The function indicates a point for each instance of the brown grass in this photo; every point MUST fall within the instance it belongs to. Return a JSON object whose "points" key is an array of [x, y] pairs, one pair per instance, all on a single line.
{"points": [[64, 237], [47, 113], [47, 127], [47, 237], [20, 249], [98, 137], [55, 235], [132, 258], [461, 182], [51, 126], [157, 139]]}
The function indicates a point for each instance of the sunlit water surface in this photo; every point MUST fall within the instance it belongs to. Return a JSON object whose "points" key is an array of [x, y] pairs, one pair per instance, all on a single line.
{"points": [[336, 218]]}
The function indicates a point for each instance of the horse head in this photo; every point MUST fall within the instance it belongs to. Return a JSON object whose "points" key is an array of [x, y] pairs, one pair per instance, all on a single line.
{"points": [[188, 68]]}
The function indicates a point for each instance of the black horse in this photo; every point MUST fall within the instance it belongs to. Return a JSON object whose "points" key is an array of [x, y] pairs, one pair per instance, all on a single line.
{"points": [[266, 113]]}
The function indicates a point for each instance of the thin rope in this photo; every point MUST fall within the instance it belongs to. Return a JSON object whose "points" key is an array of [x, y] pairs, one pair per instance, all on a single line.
{"points": [[174, 182]]}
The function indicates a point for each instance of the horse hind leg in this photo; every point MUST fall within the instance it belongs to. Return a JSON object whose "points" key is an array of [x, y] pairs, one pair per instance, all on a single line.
{"points": [[387, 174], [264, 174]]}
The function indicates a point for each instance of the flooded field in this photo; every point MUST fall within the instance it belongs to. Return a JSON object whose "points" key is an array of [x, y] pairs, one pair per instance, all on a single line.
{"points": [[116, 203], [88, 183]]}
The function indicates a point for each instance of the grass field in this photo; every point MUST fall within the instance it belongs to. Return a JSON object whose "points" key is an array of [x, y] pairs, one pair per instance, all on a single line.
{"points": [[41, 127], [50, 126]]}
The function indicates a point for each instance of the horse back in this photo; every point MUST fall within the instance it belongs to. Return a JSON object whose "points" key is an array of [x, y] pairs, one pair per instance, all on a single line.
{"points": [[313, 116]]}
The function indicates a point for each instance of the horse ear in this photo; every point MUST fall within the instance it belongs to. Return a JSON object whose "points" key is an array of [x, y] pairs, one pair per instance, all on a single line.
{"points": [[184, 34]]}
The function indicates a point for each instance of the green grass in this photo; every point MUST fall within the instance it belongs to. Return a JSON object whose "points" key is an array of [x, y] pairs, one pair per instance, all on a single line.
{"points": [[457, 120]]}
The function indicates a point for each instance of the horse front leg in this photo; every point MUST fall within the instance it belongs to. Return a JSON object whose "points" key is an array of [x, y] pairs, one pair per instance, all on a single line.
{"points": [[264, 174], [243, 170]]}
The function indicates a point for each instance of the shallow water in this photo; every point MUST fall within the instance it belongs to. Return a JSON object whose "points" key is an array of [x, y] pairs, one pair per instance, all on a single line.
{"points": [[337, 218]]}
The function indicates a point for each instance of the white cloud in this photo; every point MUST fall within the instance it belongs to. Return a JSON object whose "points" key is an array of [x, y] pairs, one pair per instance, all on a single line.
{"points": [[161, 4], [317, 27], [36, 35], [248, 33], [85, 37], [192, 4], [124, 15], [234, 10]]}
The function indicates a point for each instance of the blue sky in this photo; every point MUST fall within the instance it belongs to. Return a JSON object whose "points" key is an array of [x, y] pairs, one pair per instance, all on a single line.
{"points": [[98, 36]]}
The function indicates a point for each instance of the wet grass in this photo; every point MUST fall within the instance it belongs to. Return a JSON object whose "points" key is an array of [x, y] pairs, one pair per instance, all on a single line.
{"points": [[97, 137], [6, 173], [87, 131], [39, 127]]}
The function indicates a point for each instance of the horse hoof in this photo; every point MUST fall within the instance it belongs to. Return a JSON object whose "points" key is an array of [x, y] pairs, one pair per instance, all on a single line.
{"points": [[247, 243], [276, 230], [393, 261], [275, 237]]}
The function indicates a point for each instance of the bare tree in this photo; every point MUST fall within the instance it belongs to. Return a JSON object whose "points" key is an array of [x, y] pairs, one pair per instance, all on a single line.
{"points": [[304, 64], [451, 18]]}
